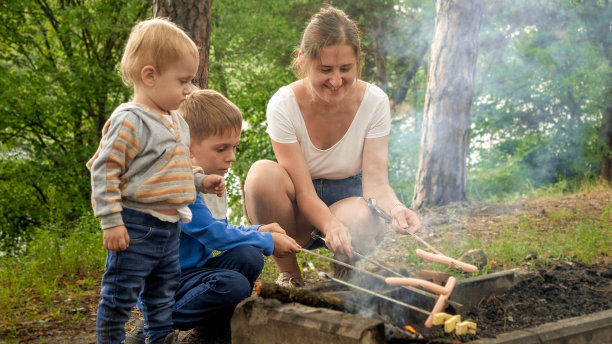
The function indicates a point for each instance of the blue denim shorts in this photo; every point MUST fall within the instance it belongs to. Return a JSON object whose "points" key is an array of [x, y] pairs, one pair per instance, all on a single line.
{"points": [[331, 191]]}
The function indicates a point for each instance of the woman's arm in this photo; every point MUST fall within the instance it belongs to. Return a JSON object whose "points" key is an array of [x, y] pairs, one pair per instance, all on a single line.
{"points": [[290, 157], [376, 185]]}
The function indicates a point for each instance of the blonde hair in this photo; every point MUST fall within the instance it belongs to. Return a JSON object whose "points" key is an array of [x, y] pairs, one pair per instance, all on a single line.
{"points": [[157, 42], [329, 27], [208, 112]]}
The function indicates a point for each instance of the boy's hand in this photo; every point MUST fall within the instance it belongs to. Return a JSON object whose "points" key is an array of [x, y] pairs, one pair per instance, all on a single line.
{"points": [[214, 184], [272, 228], [116, 238], [284, 245]]}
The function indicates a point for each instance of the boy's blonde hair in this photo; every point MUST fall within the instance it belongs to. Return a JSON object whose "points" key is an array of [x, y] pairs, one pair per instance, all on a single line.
{"points": [[208, 112], [157, 42]]}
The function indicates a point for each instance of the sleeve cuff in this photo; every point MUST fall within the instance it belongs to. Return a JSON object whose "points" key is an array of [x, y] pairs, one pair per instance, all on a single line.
{"points": [[198, 178], [268, 248], [111, 220]]}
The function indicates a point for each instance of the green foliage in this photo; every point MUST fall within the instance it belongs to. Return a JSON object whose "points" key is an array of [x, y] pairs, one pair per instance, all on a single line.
{"points": [[404, 144], [545, 81], [544, 76], [58, 62], [249, 61]]}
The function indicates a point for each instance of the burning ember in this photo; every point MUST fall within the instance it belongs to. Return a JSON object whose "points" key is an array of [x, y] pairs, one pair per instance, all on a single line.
{"points": [[410, 328]]}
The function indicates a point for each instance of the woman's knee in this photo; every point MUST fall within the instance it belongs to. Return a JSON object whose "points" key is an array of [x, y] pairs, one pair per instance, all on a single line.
{"points": [[260, 174], [366, 228]]}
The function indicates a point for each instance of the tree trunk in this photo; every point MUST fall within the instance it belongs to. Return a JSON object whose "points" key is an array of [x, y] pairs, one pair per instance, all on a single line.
{"points": [[194, 16], [606, 164], [441, 176], [379, 49]]}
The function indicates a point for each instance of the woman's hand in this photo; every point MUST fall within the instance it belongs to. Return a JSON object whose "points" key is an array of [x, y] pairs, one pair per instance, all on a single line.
{"points": [[404, 220], [338, 239]]}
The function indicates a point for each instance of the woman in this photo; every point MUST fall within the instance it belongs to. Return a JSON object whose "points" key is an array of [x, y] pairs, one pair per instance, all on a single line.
{"points": [[330, 134]]}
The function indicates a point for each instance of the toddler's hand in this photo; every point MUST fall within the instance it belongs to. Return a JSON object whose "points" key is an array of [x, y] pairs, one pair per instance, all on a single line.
{"points": [[214, 184], [116, 238]]}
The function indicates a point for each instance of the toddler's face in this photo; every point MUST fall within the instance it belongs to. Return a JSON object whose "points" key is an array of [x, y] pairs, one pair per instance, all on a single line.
{"points": [[216, 153], [174, 84]]}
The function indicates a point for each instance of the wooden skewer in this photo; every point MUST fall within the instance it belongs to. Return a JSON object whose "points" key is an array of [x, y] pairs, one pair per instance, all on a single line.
{"points": [[387, 218], [323, 274], [378, 264], [439, 257], [364, 257], [416, 290]]}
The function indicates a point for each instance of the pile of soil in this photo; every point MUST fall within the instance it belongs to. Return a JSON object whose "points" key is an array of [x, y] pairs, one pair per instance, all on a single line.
{"points": [[559, 292]]}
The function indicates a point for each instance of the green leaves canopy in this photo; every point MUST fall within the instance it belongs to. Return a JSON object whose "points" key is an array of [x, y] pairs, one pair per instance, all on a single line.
{"points": [[58, 64]]}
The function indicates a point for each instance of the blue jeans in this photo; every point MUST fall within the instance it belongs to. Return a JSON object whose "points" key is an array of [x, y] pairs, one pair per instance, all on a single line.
{"points": [[331, 191], [150, 264], [208, 296]]}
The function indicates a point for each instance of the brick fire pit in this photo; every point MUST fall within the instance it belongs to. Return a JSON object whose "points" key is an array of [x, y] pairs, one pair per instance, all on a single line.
{"points": [[266, 320]]}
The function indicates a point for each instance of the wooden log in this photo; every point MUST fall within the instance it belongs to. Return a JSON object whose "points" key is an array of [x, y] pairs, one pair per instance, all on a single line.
{"points": [[303, 296]]}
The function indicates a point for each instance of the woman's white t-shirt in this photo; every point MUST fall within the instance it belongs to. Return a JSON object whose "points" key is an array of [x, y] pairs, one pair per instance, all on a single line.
{"points": [[342, 160]]}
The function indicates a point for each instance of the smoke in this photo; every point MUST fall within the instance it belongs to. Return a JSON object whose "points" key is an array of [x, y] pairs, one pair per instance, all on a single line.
{"points": [[542, 82]]}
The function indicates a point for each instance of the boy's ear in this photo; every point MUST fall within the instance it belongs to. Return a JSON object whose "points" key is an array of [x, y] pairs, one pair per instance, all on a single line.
{"points": [[148, 74], [191, 143]]}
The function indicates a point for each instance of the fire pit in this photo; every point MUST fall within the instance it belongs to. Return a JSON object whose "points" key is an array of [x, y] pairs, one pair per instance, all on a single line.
{"points": [[365, 319]]}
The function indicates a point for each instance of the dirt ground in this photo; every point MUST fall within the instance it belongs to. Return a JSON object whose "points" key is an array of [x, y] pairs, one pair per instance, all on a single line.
{"points": [[478, 219], [559, 292]]}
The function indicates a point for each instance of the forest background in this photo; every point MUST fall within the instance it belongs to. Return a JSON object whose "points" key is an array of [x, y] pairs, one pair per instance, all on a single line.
{"points": [[541, 110], [543, 84]]}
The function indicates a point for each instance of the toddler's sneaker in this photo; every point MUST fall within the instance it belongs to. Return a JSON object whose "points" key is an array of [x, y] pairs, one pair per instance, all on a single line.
{"points": [[172, 338], [136, 336]]}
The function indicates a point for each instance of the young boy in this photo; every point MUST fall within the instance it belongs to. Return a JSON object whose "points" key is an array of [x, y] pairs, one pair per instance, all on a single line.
{"points": [[211, 287], [142, 182]]}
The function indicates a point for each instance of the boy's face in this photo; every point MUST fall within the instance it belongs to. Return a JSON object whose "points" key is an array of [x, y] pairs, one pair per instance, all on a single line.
{"points": [[216, 153], [167, 90]]}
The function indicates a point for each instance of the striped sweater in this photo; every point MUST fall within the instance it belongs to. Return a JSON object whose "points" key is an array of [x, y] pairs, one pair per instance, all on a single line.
{"points": [[142, 163]]}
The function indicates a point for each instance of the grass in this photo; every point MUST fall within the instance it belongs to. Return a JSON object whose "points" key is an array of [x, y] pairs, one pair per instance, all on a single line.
{"points": [[54, 277], [561, 236], [270, 272], [58, 274]]}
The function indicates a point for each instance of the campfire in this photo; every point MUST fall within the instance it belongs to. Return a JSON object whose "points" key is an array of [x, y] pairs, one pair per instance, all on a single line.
{"points": [[329, 312], [407, 306], [388, 307]]}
